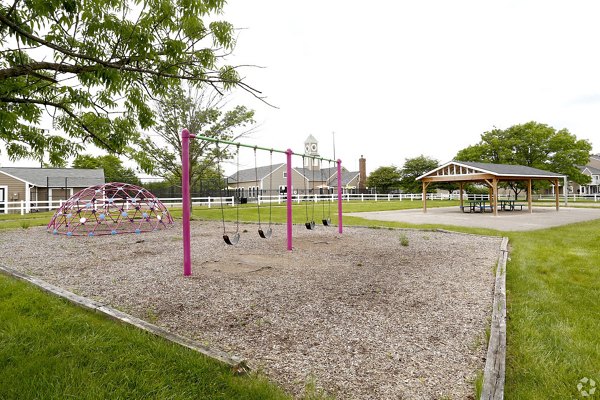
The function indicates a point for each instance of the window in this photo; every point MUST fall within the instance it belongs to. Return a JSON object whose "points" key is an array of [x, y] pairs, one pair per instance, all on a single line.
{"points": [[285, 174]]}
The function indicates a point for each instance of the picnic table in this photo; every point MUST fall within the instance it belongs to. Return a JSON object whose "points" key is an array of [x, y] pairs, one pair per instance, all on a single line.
{"points": [[476, 206], [484, 205], [509, 205]]}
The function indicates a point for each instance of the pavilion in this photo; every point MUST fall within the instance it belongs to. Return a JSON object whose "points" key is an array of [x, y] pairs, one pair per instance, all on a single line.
{"points": [[462, 172]]}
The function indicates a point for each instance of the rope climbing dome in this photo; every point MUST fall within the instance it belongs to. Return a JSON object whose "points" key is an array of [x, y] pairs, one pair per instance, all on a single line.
{"points": [[110, 209]]}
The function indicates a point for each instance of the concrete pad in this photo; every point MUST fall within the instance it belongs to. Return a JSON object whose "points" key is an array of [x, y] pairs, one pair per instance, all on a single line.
{"points": [[540, 218]]}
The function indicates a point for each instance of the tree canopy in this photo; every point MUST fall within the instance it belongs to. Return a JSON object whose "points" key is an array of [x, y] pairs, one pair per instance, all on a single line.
{"points": [[94, 66], [114, 170], [384, 179], [534, 145], [412, 169], [203, 113]]}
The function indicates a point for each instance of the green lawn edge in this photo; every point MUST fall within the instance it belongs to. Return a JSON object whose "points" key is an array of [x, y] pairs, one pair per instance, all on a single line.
{"points": [[52, 349], [553, 283]]}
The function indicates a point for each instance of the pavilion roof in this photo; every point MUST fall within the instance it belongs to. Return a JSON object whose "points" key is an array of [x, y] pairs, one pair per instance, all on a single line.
{"points": [[472, 171]]}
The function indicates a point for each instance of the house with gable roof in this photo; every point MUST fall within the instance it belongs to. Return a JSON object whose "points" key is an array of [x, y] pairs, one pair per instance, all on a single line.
{"points": [[33, 185], [311, 178], [592, 168]]}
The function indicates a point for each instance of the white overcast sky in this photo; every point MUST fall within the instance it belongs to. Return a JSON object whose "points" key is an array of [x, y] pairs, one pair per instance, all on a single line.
{"points": [[396, 79]]}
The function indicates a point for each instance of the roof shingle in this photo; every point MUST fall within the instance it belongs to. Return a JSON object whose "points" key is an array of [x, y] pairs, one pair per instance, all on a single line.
{"points": [[57, 177]]}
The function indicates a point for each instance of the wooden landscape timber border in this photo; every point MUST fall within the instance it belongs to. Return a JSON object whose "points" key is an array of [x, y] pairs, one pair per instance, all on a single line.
{"points": [[495, 361], [494, 372], [237, 364]]}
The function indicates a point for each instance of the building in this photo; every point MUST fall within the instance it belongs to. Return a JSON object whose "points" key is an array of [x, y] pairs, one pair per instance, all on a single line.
{"points": [[33, 185], [314, 177], [592, 169]]}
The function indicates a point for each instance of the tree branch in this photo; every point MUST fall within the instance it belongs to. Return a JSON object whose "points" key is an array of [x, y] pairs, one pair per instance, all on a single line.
{"points": [[61, 107]]}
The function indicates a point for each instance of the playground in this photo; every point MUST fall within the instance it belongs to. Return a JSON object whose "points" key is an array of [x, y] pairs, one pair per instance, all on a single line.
{"points": [[372, 313]]}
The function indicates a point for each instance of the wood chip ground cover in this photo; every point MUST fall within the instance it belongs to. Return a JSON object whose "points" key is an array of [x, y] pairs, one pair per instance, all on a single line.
{"points": [[358, 314]]}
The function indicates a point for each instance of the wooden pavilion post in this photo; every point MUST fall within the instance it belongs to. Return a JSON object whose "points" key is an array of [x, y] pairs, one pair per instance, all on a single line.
{"points": [[495, 194], [425, 184], [556, 193], [529, 196], [461, 186]]}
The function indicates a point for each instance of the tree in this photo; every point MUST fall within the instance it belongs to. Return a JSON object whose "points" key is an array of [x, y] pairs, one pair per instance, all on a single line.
{"points": [[412, 169], [114, 170], [203, 114], [94, 66], [534, 145], [384, 179]]}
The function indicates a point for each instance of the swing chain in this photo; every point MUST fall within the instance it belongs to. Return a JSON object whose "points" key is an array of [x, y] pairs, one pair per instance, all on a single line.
{"points": [[221, 190], [237, 209], [305, 190], [257, 190], [270, 186], [313, 188]]}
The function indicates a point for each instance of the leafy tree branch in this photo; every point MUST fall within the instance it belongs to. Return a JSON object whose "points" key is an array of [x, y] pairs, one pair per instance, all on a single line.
{"points": [[94, 67]]}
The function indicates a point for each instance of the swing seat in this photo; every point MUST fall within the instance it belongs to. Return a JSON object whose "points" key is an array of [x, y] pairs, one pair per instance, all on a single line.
{"points": [[326, 221], [265, 234], [232, 240], [310, 225]]}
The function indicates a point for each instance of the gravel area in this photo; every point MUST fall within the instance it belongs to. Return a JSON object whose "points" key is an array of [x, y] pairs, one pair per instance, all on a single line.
{"points": [[358, 314]]}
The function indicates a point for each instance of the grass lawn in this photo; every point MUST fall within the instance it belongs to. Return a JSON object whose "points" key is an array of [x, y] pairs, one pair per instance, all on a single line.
{"points": [[12, 221], [553, 287], [50, 349]]}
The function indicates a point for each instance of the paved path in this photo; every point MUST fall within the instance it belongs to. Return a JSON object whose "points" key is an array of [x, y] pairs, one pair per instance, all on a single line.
{"points": [[542, 217]]}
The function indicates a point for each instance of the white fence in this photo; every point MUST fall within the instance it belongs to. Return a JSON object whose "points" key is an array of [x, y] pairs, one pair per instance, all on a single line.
{"points": [[24, 207]]}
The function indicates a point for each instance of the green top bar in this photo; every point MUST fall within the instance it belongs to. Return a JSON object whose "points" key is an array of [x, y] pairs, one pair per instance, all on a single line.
{"points": [[238, 144]]}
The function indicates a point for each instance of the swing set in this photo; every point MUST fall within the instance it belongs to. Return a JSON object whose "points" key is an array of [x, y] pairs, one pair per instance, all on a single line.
{"points": [[235, 238], [232, 239]]}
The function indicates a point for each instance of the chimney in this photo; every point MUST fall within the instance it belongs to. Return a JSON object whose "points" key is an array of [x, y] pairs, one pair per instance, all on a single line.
{"points": [[362, 174]]}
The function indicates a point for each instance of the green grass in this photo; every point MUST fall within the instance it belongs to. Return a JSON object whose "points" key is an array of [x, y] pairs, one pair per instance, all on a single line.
{"points": [[12, 221], [305, 211], [50, 349], [553, 284], [553, 287]]}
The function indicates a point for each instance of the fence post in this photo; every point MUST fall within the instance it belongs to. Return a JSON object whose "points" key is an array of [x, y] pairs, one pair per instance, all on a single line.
{"points": [[208, 201], [22, 207]]}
